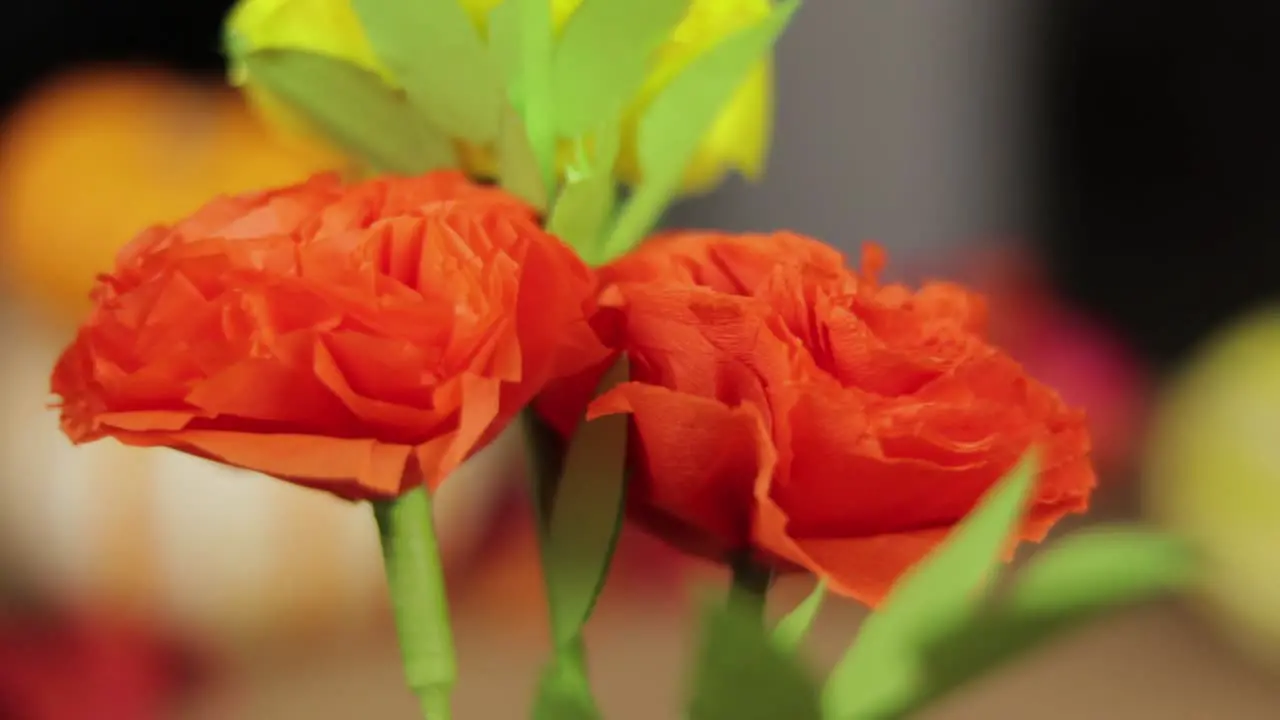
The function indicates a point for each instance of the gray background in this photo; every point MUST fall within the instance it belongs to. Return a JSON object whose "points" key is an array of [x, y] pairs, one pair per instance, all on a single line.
{"points": [[897, 120]]}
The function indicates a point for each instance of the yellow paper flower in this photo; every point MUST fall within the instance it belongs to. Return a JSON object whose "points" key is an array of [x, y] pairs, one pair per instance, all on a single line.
{"points": [[737, 141]]}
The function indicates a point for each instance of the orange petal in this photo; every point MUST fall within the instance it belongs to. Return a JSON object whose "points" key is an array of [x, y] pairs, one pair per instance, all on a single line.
{"points": [[395, 419], [696, 462], [866, 569], [262, 389], [350, 467], [479, 402]]}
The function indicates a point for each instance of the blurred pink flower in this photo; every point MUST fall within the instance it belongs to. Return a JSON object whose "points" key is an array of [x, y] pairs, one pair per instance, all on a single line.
{"points": [[1088, 365], [78, 668]]}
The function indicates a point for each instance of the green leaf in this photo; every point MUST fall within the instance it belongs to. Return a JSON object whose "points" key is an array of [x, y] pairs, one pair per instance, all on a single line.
{"points": [[741, 674], [537, 104], [545, 448], [1076, 580], [353, 108], [585, 517], [883, 670], [581, 211], [504, 43], [435, 52], [680, 117], [1099, 568], [564, 692], [603, 55], [792, 629], [586, 203], [517, 165]]}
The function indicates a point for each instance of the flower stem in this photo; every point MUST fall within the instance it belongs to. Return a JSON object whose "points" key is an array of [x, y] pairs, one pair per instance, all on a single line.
{"points": [[411, 555], [750, 586]]}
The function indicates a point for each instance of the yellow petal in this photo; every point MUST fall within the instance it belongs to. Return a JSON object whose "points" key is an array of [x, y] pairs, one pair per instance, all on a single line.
{"points": [[739, 138], [479, 11], [324, 27]]}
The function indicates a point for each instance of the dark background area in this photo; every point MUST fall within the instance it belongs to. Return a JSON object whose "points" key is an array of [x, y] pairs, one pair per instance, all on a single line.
{"points": [[1157, 169], [1153, 144]]}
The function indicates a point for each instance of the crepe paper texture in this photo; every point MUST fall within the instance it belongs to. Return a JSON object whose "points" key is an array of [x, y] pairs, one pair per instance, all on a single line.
{"points": [[362, 339], [755, 400], [416, 578], [788, 406]]}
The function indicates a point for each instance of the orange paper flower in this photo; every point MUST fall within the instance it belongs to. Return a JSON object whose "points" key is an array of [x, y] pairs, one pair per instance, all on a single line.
{"points": [[790, 408], [358, 339]]}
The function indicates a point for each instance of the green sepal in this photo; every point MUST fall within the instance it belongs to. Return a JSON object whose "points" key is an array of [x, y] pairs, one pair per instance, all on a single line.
{"points": [[585, 204], [352, 108], [742, 674], [603, 55], [435, 53], [585, 518], [518, 170]]}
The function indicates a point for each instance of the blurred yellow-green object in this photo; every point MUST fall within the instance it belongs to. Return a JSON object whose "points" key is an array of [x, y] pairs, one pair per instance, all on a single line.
{"points": [[737, 141], [97, 156], [1213, 474]]}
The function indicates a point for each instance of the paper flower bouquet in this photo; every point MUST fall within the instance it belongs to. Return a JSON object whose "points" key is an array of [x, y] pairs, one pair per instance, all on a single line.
{"points": [[755, 400]]}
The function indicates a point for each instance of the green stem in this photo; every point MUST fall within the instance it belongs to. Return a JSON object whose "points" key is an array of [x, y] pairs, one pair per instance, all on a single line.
{"points": [[749, 586], [411, 555]]}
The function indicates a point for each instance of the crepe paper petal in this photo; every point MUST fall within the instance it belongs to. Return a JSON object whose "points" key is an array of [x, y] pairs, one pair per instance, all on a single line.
{"points": [[536, 90], [741, 674], [415, 576], [883, 669], [704, 491], [585, 517], [322, 462], [794, 626], [434, 51], [679, 118], [353, 109], [584, 205], [1074, 581], [519, 170], [602, 57]]}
